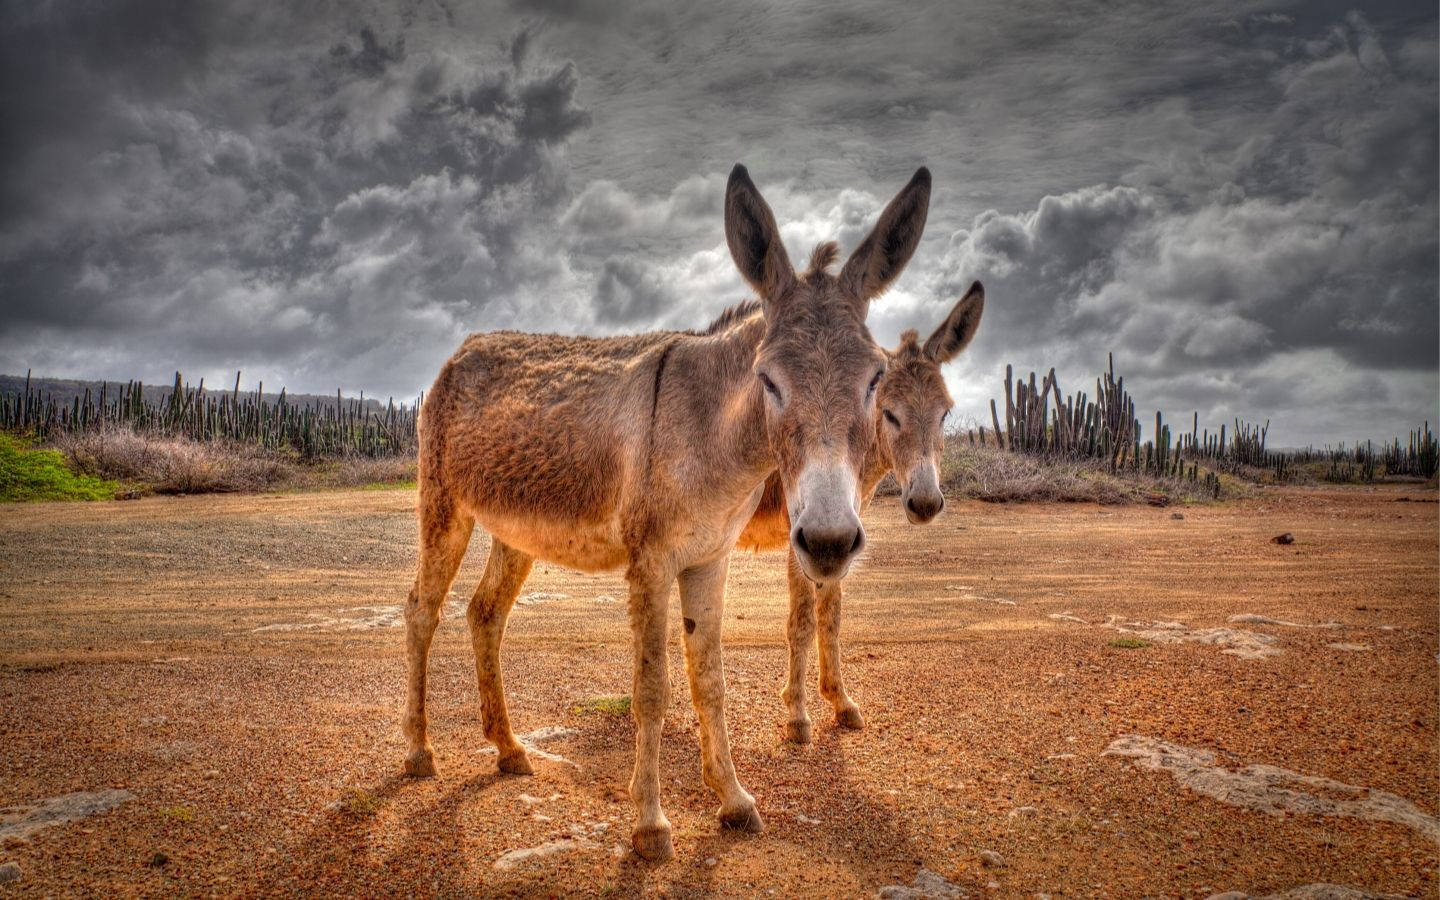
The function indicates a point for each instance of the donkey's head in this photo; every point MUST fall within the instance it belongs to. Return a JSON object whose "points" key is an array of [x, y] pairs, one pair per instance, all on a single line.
{"points": [[913, 405], [818, 366]]}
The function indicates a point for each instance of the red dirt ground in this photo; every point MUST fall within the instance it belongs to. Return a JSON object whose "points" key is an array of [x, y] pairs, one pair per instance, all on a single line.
{"points": [[266, 762]]}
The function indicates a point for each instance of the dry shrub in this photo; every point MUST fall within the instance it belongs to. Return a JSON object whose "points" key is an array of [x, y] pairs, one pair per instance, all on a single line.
{"points": [[172, 465], [357, 471], [999, 476], [176, 465], [987, 473]]}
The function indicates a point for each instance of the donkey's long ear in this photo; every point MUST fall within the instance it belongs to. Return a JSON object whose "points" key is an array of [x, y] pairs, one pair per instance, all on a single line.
{"points": [[880, 257], [958, 328], [754, 239]]}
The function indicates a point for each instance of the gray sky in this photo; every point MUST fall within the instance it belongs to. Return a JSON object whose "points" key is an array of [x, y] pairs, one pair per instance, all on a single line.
{"points": [[1239, 200]]}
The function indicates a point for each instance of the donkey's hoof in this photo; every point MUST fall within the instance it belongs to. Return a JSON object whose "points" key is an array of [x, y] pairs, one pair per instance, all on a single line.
{"points": [[652, 843], [742, 818], [420, 764], [516, 763], [849, 717], [797, 731]]}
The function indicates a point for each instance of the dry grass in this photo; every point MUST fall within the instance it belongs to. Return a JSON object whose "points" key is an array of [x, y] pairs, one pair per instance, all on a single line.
{"points": [[998, 476], [172, 465], [168, 465]]}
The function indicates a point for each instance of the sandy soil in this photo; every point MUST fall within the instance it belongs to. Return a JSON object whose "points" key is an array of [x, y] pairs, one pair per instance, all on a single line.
{"points": [[236, 664]]}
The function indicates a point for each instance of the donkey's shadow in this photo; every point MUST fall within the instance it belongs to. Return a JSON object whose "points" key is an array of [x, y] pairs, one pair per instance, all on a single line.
{"points": [[358, 846]]}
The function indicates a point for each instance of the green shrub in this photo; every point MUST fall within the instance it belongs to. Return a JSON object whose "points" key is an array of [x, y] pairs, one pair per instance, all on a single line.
{"points": [[610, 706], [30, 474]]}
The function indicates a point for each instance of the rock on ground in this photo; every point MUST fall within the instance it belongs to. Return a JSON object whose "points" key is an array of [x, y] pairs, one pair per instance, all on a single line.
{"points": [[1244, 644], [549, 848], [1254, 619], [531, 741], [1309, 892], [1270, 789], [19, 822], [581, 838], [927, 886]]}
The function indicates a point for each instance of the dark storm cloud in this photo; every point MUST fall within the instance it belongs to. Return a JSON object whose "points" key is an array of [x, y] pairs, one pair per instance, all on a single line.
{"points": [[628, 292], [1289, 264], [1240, 203], [1239, 200], [334, 198]]}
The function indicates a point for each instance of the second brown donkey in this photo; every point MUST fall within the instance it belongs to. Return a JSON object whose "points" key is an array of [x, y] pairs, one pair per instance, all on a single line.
{"points": [[650, 453]]}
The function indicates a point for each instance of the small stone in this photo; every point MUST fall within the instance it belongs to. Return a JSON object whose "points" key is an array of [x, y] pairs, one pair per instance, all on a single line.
{"points": [[992, 859], [1286, 538], [9, 872], [158, 859], [1177, 515], [1023, 811], [927, 885], [710, 861]]}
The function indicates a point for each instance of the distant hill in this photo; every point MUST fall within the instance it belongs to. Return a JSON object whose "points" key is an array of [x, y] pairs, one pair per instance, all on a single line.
{"points": [[64, 389]]}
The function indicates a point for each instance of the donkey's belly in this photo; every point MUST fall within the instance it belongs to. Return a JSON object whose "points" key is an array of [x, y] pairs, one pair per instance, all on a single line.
{"points": [[765, 531], [586, 547]]}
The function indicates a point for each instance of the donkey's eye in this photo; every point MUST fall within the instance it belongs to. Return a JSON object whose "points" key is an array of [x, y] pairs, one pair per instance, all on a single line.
{"points": [[769, 385], [890, 417], [874, 382]]}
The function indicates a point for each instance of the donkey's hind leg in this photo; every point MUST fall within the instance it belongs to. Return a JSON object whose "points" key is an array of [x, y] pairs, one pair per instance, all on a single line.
{"points": [[444, 535], [489, 608]]}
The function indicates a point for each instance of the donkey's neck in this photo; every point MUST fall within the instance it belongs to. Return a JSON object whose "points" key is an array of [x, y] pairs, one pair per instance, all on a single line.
{"points": [[740, 429], [878, 462]]}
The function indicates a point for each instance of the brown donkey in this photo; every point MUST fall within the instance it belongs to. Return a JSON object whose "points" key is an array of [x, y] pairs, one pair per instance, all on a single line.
{"points": [[909, 436], [650, 453]]}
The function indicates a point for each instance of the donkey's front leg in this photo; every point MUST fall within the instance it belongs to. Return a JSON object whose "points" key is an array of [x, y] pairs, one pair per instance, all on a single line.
{"points": [[832, 686], [650, 696], [799, 634], [702, 602]]}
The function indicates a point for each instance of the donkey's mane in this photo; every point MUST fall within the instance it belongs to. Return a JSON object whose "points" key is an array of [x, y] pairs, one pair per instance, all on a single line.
{"points": [[740, 311], [821, 259], [909, 346]]}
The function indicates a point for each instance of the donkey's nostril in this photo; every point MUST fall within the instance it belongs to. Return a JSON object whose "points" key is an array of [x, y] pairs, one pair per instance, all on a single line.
{"points": [[923, 509], [800, 543], [827, 550]]}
